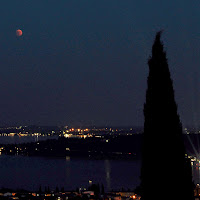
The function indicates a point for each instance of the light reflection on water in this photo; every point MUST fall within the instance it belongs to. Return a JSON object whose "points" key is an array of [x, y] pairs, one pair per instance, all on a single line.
{"points": [[107, 171]]}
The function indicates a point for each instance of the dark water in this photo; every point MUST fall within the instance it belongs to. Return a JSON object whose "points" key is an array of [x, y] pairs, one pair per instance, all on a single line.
{"points": [[31, 172]]}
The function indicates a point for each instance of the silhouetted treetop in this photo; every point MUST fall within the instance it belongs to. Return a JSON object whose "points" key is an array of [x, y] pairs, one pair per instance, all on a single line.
{"points": [[163, 153]]}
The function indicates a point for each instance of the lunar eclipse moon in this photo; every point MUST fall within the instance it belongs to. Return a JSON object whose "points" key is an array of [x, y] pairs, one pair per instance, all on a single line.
{"points": [[18, 32]]}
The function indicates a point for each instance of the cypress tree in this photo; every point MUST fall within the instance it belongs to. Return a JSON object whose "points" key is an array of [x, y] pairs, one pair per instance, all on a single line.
{"points": [[166, 172]]}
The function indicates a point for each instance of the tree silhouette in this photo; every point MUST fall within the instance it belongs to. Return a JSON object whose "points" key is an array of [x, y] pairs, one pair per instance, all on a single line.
{"points": [[166, 172], [57, 189], [40, 189], [102, 189]]}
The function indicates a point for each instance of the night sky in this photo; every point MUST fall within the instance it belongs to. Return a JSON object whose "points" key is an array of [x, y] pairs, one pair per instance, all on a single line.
{"points": [[84, 62]]}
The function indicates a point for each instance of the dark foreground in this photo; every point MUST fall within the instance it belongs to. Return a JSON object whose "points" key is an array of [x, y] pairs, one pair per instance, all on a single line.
{"points": [[93, 193]]}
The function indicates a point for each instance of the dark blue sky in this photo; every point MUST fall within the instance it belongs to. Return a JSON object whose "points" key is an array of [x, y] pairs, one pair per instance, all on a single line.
{"points": [[85, 61]]}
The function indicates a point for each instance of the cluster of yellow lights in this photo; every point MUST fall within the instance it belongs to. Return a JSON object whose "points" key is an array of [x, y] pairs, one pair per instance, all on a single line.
{"points": [[77, 130], [67, 135]]}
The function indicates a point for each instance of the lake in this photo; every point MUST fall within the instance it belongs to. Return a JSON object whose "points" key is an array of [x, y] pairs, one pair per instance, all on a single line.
{"points": [[31, 172]]}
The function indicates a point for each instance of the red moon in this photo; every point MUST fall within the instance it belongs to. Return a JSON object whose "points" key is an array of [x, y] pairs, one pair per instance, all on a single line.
{"points": [[19, 32]]}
